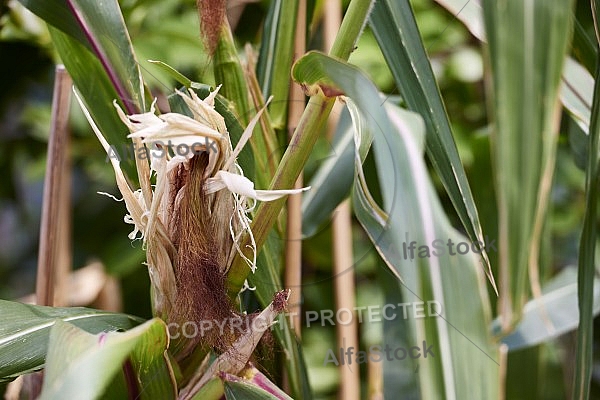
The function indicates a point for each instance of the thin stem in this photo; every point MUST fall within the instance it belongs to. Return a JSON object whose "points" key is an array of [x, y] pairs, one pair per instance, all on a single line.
{"points": [[293, 244], [51, 227], [347, 334], [587, 247], [352, 26], [64, 258], [344, 287]]}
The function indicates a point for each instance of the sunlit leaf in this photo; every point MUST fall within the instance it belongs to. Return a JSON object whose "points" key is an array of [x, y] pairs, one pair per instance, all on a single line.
{"points": [[81, 365], [25, 329]]}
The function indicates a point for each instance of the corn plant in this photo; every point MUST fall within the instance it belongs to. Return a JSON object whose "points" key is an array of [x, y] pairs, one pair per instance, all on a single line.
{"points": [[204, 165]]}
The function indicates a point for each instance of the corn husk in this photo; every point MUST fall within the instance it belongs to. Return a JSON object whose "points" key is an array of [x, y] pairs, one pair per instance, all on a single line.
{"points": [[197, 213]]}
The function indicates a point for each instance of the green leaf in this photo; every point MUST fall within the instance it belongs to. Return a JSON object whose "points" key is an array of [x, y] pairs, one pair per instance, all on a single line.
{"points": [[395, 28], [103, 27], [97, 93], [576, 92], [58, 14], [173, 73], [81, 365], [94, 45], [151, 365], [276, 57], [587, 244], [525, 102], [584, 43], [240, 390], [228, 72], [578, 143], [25, 329], [398, 377], [253, 385], [264, 141], [212, 390], [460, 336], [332, 182], [551, 315]]}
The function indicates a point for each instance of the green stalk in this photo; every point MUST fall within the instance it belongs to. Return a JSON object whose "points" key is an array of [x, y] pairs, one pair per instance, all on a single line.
{"points": [[352, 26], [587, 245], [308, 130]]}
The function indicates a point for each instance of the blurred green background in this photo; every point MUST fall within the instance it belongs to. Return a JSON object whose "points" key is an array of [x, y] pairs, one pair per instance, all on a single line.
{"points": [[167, 30]]}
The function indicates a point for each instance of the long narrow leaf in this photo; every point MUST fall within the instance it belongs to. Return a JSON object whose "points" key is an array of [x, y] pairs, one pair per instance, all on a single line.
{"points": [[411, 209], [551, 315], [396, 31], [81, 365], [577, 83], [276, 56], [94, 44], [25, 329], [82, 65], [534, 36], [332, 182], [102, 26], [587, 245]]}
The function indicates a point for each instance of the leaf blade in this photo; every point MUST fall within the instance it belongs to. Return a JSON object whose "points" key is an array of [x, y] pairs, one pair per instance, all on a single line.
{"points": [[81, 365], [25, 329], [526, 114], [393, 22]]}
